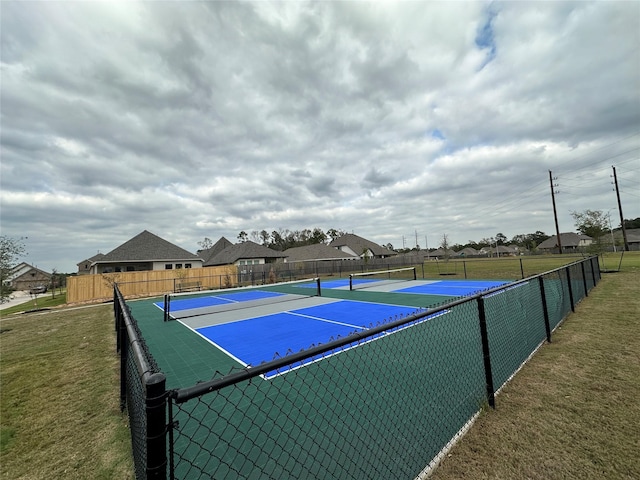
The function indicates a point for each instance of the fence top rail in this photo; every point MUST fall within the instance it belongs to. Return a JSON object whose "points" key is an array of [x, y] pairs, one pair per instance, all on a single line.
{"points": [[187, 393], [135, 342]]}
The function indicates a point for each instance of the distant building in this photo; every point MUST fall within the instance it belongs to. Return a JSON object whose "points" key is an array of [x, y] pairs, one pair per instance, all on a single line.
{"points": [[318, 252], [84, 267], [361, 247], [145, 251], [243, 254], [26, 277], [571, 242]]}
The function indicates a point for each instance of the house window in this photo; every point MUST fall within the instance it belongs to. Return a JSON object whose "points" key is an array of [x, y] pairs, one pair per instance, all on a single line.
{"points": [[131, 268], [168, 266], [187, 265], [178, 265], [242, 262], [118, 269]]}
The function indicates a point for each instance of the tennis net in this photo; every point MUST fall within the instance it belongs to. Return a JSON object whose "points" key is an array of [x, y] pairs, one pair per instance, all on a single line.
{"points": [[381, 277], [217, 301]]}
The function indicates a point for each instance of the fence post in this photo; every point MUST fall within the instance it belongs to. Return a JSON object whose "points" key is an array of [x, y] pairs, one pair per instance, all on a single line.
{"points": [[584, 280], [545, 310], [124, 353], [521, 269], [573, 307], [485, 353], [156, 401], [464, 265]]}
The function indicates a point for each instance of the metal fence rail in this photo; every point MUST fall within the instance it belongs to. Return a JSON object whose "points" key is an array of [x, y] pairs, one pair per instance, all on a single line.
{"points": [[379, 404], [142, 394]]}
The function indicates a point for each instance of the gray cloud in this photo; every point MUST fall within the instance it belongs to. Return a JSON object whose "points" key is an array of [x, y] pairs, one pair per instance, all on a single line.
{"points": [[204, 119]]}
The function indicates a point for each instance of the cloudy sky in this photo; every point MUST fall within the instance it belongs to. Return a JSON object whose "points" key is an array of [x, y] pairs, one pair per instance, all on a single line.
{"points": [[390, 120]]}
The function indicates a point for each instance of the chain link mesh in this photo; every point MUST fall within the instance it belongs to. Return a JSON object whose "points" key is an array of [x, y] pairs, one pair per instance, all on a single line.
{"points": [[377, 407]]}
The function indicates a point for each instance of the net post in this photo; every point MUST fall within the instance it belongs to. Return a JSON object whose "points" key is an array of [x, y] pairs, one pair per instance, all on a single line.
{"points": [[167, 306], [319, 288], [415, 274], [351, 282]]}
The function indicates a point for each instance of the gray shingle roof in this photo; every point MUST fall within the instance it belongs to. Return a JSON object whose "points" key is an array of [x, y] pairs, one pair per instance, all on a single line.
{"points": [[244, 250], [210, 253], [147, 247], [318, 251], [570, 239], [359, 244]]}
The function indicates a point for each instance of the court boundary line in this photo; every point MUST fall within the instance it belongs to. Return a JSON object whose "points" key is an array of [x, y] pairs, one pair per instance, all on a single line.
{"points": [[325, 320], [311, 361], [226, 352]]}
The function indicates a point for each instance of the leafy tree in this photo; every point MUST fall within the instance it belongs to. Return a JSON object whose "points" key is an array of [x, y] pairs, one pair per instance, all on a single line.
{"points": [[500, 238], [10, 250], [593, 223], [332, 233], [205, 244], [631, 224], [242, 236], [264, 237], [444, 244]]}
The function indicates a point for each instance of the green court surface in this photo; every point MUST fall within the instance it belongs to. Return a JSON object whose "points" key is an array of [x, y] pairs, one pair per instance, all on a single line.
{"points": [[380, 409], [186, 358]]}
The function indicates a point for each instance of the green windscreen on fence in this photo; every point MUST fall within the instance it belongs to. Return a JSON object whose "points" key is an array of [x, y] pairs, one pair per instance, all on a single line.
{"points": [[378, 404]]}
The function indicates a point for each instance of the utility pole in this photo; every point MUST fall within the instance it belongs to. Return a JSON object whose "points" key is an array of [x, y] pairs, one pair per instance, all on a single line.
{"points": [[416, 239], [555, 213], [624, 230]]}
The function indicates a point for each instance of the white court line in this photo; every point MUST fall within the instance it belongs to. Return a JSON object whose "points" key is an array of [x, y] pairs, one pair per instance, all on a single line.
{"points": [[244, 365], [326, 320]]}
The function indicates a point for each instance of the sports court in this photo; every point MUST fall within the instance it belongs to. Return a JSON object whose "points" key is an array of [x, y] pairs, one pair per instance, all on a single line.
{"points": [[222, 329]]}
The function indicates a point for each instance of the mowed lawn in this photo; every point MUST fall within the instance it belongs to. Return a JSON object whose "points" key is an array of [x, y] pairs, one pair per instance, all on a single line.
{"points": [[571, 413]]}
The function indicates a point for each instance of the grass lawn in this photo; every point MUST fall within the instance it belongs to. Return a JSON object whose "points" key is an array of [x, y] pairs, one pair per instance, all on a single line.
{"points": [[60, 415], [571, 413]]}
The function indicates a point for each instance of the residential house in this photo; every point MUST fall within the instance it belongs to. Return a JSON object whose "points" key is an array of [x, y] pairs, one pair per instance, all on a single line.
{"points": [[499, 251], [361, 247], [467, 252], [25, 277], [316, 253], [84, 267], [145, 251], [571, 242], [633, 239], [217, 247], [243, 254]]}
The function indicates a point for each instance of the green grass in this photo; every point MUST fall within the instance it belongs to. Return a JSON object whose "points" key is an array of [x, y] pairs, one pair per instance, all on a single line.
{"points": [[570, 413], [60, 415], [507, 268], [43, 301]]}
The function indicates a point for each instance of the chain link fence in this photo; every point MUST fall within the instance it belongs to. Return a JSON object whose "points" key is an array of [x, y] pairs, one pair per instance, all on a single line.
{"points": [[384, 403]]}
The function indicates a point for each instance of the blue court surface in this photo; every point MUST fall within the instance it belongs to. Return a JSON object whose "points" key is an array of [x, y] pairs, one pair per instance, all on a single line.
{"points": [[261, 339], [454, 288], [219, 299]]}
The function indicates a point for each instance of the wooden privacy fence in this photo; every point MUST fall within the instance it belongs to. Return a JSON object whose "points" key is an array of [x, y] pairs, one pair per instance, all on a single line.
{"points": [[92, 288]]}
